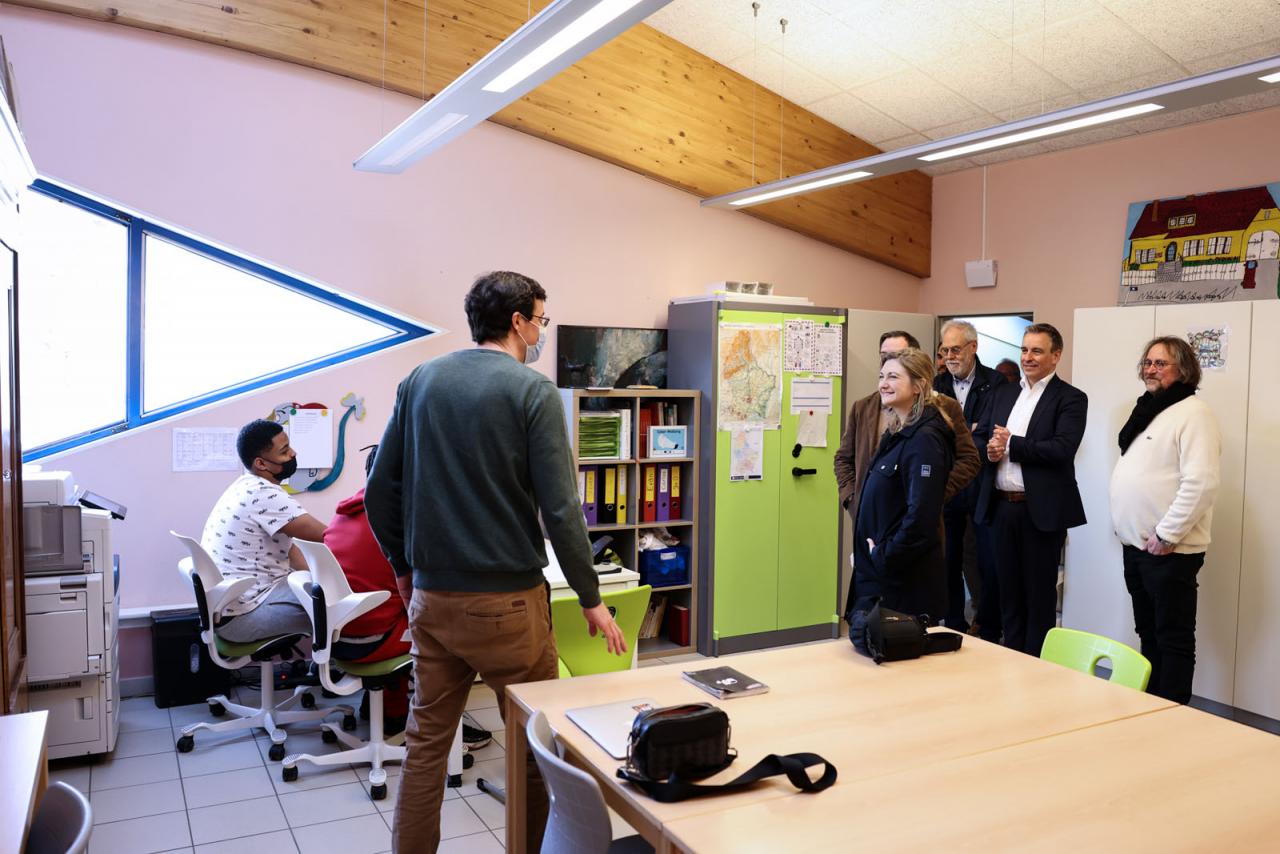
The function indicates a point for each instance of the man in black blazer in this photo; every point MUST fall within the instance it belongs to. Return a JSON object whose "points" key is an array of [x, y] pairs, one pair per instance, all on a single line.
{"points": [[1030, 436], [971, 383]]}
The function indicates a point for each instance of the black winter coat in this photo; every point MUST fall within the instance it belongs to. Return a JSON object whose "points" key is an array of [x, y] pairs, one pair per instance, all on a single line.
{"points": [[899, 509]]}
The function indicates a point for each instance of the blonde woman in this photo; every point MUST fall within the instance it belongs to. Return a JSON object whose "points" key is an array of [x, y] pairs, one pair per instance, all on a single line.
{"points": [[898, 556]]}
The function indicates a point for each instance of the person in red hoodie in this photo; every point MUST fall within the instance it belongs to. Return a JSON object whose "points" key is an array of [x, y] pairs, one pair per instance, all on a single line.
{"points": [[381, 633]]}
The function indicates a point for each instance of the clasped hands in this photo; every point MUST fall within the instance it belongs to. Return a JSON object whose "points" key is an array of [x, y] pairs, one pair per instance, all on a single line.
{"points": [[998, 444]]}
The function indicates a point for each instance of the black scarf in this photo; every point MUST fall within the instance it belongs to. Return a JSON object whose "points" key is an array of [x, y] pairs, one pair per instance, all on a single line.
{"points": [[1148, 407]]}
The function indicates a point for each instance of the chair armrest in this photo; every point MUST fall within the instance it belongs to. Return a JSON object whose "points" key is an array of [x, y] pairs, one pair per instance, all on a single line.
{"points": [[227, 591], [353, 606]]}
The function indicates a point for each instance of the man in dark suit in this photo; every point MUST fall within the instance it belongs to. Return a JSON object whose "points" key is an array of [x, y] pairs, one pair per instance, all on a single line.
{"points": [[972, 384], [1030, 436]]}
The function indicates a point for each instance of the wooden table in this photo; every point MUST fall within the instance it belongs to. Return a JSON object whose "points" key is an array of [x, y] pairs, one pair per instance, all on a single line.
{"points": [[825, 698], [24, 775], [1175, 780]]}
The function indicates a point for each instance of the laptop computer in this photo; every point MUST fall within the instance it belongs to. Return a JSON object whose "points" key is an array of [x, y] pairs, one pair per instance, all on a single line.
{"points": [[609, 724]]}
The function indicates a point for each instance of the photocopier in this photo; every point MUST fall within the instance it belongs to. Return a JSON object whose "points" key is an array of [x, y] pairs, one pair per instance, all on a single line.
{"points": [[72, 579]]}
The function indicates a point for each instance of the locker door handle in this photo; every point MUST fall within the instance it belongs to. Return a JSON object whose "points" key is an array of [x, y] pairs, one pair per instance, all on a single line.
{"points": [[796, 471]]}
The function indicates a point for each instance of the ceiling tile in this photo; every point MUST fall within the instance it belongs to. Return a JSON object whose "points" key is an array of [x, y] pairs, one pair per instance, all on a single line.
{"points": [[998, 80], [796, 84], [1194, 29], [919, 31], [1039, 108], [1007, 18], [1133, 84], [1260, 101], [1027, 149], [1088, 137], [916, 100], [1237, 56], [704, 15], [722, 44], [837, 53], [981, 122], [937, 169], [1093, 49], [858, 118], [801, 16], [903, 141]]}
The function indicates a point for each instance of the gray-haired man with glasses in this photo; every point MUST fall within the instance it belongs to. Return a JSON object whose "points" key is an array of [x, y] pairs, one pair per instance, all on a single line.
{"points": [[1162, 493]]}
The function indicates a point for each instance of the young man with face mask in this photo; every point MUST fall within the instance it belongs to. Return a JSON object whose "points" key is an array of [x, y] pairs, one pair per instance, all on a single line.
{"points": [[250, 533], [475, 451]]}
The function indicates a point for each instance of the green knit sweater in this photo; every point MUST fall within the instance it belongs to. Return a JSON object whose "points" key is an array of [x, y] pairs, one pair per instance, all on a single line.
{"points": [[475, 448]]}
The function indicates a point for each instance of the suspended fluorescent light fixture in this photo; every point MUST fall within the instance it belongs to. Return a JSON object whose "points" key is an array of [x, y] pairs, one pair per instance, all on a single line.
{"points": [[1183, 94], [548, 43]]}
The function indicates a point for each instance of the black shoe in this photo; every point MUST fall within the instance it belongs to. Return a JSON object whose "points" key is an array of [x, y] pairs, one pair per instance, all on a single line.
{"points": [[475, 738]]}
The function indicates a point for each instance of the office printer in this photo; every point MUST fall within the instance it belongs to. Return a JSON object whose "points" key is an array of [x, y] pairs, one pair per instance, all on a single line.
{"points": [[72, 581]]}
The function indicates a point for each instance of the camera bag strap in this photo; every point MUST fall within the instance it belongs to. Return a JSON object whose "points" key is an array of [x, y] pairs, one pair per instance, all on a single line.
{"points": [[793, 765]]}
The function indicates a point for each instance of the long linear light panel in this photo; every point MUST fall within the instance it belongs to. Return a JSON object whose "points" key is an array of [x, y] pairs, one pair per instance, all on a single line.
{"points": [[551, 41], [1248, 79]]}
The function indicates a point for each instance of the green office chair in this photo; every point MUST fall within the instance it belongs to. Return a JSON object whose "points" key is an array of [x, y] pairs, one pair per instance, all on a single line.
{"points": [[581, 654], [1082, 651]]}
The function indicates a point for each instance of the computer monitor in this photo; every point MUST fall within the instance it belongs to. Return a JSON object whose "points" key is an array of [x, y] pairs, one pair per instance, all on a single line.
{"points": [[610, 357]]}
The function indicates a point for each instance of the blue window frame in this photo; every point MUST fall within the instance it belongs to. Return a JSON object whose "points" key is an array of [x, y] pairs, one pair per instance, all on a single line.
{"points": [[399, 330]]}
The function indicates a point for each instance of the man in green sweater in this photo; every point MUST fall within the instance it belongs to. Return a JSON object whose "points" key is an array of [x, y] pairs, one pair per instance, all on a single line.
{"points": [[475, 448]]}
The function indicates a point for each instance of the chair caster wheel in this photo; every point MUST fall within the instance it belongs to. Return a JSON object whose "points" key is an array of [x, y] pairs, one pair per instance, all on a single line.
{"points": [[378, 792], [308, 701], [217, 709], [276, 753], [327, 694], [328, 736], [467, 761], [454, 781], [349, 723], [186, 744], [289, 774]]}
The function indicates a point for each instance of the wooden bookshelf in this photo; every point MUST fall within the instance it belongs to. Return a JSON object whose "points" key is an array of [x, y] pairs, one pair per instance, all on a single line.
{"points": [[626, 534]]}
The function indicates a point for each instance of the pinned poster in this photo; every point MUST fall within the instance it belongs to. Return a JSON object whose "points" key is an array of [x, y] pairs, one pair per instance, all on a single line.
{"points": [[811, 394], [828, 351], [812, 430], [797, 345], [311, 436], [746, 454], [205, 449]]}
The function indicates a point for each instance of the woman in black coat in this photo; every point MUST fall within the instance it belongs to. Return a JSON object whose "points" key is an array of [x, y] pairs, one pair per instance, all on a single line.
{"points": [[897, 554]]}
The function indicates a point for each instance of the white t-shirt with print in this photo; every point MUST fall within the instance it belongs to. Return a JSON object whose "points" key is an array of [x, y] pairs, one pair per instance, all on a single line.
{"points": [[243, 536]]}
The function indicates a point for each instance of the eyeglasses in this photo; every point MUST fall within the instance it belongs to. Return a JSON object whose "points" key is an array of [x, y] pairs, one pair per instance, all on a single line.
{"points": [[952, 351], [1158, 364], [540, 319]]}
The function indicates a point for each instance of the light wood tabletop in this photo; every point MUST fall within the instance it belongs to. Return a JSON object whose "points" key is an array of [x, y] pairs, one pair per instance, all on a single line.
{"points": [[825, 698], [1176, 780], [24, 770]]}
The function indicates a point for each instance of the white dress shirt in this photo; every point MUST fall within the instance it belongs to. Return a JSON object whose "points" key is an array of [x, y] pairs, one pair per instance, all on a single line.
{"points": [[962, 386], [1009, 473]]}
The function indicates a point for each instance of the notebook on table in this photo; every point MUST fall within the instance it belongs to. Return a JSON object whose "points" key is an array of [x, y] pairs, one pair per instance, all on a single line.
{"points": [[609, 724], [725, 683]]}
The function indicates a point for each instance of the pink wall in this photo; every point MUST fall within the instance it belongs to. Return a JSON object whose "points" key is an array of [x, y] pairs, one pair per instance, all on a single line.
{"points": [[1056, 222], [257, 154]]}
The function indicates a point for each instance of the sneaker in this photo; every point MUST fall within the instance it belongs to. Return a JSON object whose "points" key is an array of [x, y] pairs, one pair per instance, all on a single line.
{"points": [[474, 738]]}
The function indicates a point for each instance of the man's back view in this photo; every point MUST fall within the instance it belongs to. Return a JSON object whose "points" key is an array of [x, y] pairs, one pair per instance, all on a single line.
{"points": [[475, 449]]}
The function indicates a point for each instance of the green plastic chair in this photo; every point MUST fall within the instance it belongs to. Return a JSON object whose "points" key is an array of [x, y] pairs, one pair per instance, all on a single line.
{"points": [[1082, 651], [581, 654]]}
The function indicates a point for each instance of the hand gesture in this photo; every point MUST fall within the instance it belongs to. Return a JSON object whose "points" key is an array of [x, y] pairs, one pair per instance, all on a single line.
{"points": [[1156, 547], [998, 444], [599, 619]]}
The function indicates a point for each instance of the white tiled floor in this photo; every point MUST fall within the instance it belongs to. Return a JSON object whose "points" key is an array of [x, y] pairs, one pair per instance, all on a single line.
{"points": [[227, 796]]}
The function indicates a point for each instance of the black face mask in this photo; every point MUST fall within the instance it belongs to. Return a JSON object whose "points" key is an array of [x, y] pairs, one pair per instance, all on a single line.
{"points": [[287, 469]]}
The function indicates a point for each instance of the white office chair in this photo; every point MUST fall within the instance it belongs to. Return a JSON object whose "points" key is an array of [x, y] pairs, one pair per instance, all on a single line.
{"points": [[62, 822], [579, 821], [214, 592], [331, 604]]}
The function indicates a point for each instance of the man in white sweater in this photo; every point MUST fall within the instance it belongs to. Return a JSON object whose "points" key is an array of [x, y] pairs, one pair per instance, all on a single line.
{"points": [[1162, 492]]}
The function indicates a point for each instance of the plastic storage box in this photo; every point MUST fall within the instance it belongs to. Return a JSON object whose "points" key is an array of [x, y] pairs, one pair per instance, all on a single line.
{"points": [[667, 567]]}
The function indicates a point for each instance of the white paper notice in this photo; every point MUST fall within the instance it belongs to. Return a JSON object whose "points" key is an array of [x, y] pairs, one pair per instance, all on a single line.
{"points": [[205, 449], [797, 345], [311, 435], [746, 454], [811, 394], [812, 430], [828, 352]]}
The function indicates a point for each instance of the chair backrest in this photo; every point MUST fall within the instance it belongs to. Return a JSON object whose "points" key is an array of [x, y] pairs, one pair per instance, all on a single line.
{"points": [[199, 566], [328, 588], [579, 821], [62, 822], [584, 654], [1082, 651]]}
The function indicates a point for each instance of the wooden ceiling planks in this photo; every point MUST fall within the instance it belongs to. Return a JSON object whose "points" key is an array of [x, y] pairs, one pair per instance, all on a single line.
{"points": [[644, 101]]}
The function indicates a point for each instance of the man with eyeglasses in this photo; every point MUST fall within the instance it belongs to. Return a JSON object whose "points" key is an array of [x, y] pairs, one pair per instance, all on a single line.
{"points": [[972, 384], [1030, 436], [1162, 493], [475, 450]]}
